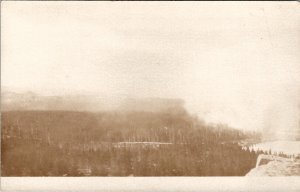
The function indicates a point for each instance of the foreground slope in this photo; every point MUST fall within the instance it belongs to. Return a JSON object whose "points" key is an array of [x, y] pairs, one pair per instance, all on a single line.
{"points": [[286, 165], [277, 168]]}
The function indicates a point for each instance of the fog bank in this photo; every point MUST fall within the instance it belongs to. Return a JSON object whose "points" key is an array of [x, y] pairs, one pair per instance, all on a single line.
{"points": [[239, 67]]}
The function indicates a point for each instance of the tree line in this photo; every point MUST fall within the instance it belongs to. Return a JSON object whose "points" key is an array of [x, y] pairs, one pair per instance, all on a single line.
{"points": [[65, 143]]}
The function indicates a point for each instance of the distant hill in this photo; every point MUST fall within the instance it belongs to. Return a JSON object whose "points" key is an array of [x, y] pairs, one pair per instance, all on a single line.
{"points": [[30, 101], [152, 105], [12, 101]]}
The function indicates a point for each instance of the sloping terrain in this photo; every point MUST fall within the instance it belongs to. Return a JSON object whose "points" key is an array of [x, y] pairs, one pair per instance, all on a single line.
{"points": [[277, 168], [280, 166]]}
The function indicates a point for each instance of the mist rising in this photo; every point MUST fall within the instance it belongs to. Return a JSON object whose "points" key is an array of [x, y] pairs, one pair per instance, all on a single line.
{"points": [[241, 70]]}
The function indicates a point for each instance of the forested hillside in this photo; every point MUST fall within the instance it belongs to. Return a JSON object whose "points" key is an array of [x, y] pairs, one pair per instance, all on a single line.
{"points": [[65, 143]]}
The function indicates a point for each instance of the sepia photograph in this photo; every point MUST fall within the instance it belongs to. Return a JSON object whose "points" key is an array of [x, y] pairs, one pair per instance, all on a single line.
{"points": [[150, 89]]}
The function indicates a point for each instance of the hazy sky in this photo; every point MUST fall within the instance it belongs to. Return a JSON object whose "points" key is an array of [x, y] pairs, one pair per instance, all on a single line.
{"points": [[232, 62]]}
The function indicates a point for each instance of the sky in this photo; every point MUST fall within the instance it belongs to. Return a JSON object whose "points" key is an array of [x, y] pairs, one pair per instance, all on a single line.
{"points": [[232, 62]]}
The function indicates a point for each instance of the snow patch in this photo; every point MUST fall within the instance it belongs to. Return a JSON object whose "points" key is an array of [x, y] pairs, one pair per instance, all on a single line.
{"points": [[286, 147]]}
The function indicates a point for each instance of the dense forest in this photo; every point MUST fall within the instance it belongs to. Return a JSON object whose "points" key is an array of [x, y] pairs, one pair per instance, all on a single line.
{"points": [[119, 143]]}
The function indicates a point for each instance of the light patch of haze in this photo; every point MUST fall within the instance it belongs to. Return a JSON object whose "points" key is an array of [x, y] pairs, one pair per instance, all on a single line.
{"points": [[232, 62]]}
